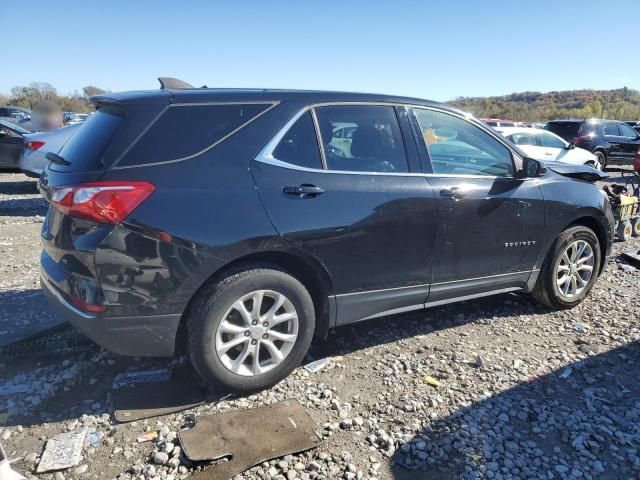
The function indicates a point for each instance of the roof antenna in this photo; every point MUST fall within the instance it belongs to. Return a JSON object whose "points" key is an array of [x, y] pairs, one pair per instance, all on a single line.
{"points": [[173, 83]]}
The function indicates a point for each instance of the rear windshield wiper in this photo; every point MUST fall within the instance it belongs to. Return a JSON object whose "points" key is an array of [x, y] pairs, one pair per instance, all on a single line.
{"points": [[57, 159]]}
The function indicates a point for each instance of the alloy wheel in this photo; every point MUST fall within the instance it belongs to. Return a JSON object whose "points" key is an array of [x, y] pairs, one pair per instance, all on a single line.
{"points": [[575, 269], [257, 333]]}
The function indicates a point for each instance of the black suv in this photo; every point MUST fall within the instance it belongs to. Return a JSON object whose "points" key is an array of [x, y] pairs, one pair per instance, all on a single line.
{"points": [[612, 141], [241, 224]]}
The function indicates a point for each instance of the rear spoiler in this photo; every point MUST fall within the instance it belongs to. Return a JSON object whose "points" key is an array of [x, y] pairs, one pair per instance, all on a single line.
{"points": [[580, 172], [173, 83]]}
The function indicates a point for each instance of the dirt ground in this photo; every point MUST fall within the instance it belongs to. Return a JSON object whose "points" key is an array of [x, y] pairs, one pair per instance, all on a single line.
{"points": [[523, 392]]}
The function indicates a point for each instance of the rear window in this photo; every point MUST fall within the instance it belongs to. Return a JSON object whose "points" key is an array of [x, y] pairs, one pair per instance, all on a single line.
{"points": [[566, 130], [85, 148], [186, 130]]}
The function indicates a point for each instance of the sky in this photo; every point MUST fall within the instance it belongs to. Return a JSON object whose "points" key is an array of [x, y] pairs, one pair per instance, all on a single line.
{"points": [[438, 50]]}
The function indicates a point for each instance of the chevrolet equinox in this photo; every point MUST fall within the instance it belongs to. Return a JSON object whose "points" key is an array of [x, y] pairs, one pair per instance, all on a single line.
{"points": [[239, 225]]}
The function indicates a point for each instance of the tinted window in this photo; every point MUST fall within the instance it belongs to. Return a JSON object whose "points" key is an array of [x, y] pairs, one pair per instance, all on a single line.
{"points": [[85, 148], [458, 147], [523, 139], [551, 141], [627, 131], [185, 130], [566, 130], [587, 128], [362, 138], [300, 145], [611, 129], [4, 112]]}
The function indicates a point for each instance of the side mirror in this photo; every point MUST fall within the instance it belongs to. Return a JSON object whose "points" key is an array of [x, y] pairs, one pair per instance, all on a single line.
{"points": [[571, 146], [532, 168]]}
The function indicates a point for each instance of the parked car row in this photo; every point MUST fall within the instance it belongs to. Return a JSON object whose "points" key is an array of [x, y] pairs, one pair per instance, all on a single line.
{"points": [[22, 149]]}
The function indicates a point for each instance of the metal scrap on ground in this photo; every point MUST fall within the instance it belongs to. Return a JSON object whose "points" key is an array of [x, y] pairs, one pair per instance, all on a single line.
{"points": [[248, 437], [317, 365], [63, 451]]}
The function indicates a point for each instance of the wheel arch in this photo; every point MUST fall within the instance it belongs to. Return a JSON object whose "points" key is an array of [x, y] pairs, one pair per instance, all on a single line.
{"points": [[306, 270], [592, 223]]}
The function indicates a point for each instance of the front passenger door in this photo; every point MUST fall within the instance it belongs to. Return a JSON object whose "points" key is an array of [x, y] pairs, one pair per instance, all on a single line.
{"points": [[490, 223]]}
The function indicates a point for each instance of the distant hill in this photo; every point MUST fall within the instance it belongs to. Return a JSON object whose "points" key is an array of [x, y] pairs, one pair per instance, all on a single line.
{"points": [[622, 104]]}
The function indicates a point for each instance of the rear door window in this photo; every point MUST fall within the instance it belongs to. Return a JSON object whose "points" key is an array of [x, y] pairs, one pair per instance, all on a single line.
{"points": [[362, 138], [85, 148], [187, 130]]}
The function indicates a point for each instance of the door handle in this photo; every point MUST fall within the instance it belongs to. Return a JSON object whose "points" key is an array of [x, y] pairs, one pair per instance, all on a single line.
{"points": [[453, 193], [304, 190]]}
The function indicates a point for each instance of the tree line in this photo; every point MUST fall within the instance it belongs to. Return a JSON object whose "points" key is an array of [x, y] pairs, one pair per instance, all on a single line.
{"points": [[618, 104], [27, 96]]}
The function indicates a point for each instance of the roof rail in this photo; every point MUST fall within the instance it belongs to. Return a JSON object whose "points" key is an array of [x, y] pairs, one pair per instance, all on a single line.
{"points": [[173, 83]]}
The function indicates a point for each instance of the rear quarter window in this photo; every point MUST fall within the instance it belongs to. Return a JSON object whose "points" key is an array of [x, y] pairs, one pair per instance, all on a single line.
{"points": [[183, 131]]}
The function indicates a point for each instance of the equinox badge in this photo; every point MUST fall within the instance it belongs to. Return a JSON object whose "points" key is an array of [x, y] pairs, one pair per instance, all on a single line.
{"points": [[528, 243]]}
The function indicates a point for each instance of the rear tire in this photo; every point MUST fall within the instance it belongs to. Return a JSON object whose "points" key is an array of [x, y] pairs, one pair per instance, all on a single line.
{"points": [[226, 314], [560, 262], [624, 231]]}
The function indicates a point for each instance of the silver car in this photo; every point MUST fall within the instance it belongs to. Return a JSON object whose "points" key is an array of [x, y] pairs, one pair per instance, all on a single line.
{"points": [[37, 145]]}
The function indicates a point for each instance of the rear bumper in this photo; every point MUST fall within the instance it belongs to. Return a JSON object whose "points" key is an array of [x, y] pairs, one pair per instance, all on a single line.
{"points": [[140, 336]]}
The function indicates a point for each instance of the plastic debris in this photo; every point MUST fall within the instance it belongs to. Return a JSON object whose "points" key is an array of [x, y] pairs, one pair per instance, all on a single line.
{"points": [[148, 437], [318, 365], [94, 438], [141, 376], [431, 381], [578, 326], [6, 472], [63, 451]]}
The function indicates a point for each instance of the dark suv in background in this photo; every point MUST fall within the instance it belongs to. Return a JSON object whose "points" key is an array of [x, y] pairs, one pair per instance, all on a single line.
{"points": [[612, 141], [240, 224]]}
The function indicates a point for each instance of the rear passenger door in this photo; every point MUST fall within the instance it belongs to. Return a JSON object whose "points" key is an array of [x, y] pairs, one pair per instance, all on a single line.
{"points": [[362, 209], [490, 223], [614, 138]]}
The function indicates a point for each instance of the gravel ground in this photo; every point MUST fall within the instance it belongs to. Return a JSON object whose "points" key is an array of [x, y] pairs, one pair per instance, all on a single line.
{"points": [[523, 392]]}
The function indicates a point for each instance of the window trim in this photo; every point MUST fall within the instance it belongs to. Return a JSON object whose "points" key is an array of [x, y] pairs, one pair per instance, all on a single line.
{"points": [[516, 159], [266, 154]]}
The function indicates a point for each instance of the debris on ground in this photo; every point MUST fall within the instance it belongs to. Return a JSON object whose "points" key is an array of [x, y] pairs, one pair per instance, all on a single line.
{"points": [[6, 472], [249, 437], [317, 365], [181, 391], [63, 451], [148, 437], [429, 380]]}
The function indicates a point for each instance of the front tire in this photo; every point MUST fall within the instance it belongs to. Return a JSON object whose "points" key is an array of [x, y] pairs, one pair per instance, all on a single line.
{"points": [[251, 329], [570, 269], [602, 159]]}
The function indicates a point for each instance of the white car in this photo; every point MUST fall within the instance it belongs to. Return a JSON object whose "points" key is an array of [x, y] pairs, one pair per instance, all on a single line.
{"points": [[544, 145], [37, 145]]}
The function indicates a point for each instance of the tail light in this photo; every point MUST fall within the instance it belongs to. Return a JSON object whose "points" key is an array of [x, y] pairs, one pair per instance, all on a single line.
{"points": [[34, 145], [636, 163], [104, 202], [578, 139], [86, 306]]}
